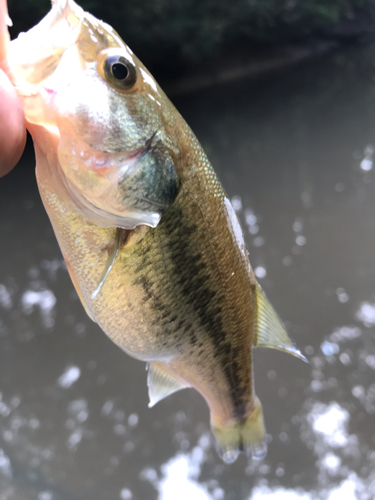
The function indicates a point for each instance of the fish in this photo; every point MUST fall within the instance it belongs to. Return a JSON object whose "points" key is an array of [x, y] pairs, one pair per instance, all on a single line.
{"points": [[149, 236]]}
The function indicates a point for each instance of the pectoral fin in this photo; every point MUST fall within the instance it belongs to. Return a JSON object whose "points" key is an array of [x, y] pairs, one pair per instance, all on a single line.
{"points": [[109, 263], [123, 237], [270, 331], [161, 383]]}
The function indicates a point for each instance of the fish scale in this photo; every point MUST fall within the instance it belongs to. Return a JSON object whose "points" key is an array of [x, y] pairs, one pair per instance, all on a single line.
{"points": [[150, 238]]}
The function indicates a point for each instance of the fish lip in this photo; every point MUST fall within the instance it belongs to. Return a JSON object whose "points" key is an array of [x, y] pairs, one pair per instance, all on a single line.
{"points": [[48, 37]]}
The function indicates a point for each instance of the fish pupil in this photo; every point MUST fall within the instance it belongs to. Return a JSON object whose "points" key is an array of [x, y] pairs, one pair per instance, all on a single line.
{"points": [[120, 71]]}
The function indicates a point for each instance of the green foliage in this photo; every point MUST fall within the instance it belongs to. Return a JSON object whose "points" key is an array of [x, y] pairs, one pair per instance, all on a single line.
{"points": [[183, 31]]}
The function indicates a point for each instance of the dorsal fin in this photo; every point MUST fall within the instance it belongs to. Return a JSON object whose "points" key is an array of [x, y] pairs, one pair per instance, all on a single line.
{"points": [[270, 331], [161, 383]]}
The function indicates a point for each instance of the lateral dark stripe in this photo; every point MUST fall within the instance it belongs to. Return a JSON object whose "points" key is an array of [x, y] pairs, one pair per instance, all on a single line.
{"points": [[195, 286], [188, 273]]}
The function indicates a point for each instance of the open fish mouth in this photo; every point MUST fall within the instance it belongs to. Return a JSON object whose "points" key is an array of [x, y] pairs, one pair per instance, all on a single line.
{"points": [[35, 55], [68, 32], [34, 58]]}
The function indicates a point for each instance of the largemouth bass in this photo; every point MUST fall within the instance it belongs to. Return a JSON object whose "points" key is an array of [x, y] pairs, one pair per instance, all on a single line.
{"points": [[149, 236]]}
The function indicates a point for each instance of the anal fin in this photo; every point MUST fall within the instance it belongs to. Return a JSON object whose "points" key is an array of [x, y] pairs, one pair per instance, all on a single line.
{"points": [[161, 383], [270, 331]]}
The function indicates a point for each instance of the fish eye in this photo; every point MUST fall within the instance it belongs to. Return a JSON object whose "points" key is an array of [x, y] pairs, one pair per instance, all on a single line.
{"points": [[120, 72]]}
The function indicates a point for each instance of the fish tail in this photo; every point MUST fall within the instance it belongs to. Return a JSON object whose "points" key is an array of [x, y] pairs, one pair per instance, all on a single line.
{"points": [[247, 436]]}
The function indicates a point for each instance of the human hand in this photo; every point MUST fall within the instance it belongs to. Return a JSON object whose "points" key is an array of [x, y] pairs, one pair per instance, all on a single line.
{"points": [[12, 118]]}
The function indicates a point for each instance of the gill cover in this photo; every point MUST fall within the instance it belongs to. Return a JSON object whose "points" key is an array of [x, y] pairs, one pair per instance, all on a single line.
{"points": [[121, 190]]}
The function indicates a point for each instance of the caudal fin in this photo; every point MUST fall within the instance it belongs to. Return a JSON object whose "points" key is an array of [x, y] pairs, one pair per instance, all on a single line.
{"points": [[247, 436]]}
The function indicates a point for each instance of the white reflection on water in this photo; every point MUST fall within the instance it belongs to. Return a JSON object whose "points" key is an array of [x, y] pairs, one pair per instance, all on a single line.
{"points": [[18, 430], [260, 272], [301, 240], [330, 421], [325, 431], [329, 348], [278, 493], [366, 314], [68, 378], [345, 334], [45, 495], [126, 494], [78, 414], [107, 408], [367, 162], [133, 420], [348, 489], [52, 266], [181, 473], [331, 463], [342, 295], [252, 222], [5, 297], [258, 241], [366, 397], [237, 203], [344, 367], [5, 465], [250, 218], [297, 225], [287, 260], [44, 299]]}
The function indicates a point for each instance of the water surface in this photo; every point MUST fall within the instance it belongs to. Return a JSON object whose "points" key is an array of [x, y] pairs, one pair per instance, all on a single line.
{"points": [[295, 154]]}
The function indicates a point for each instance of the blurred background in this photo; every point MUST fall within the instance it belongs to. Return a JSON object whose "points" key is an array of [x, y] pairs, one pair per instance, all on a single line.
{"points": [[282, 97], [201, 41]]}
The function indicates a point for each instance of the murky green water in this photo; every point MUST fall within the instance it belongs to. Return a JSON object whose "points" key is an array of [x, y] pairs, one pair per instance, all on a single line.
{"points": [[295, 152]]}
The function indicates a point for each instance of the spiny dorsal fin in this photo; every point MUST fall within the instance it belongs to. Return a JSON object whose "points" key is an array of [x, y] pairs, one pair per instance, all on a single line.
{"points": [[161, 383], [270, 331]]}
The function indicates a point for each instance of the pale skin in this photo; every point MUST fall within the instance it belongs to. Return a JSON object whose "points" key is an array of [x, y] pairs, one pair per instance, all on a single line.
{"points": [[12, 119]]}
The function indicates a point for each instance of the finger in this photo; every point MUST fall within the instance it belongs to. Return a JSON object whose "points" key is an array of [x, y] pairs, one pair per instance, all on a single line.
{"points": [[4, 35], [12, 126], [12, 119]]}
